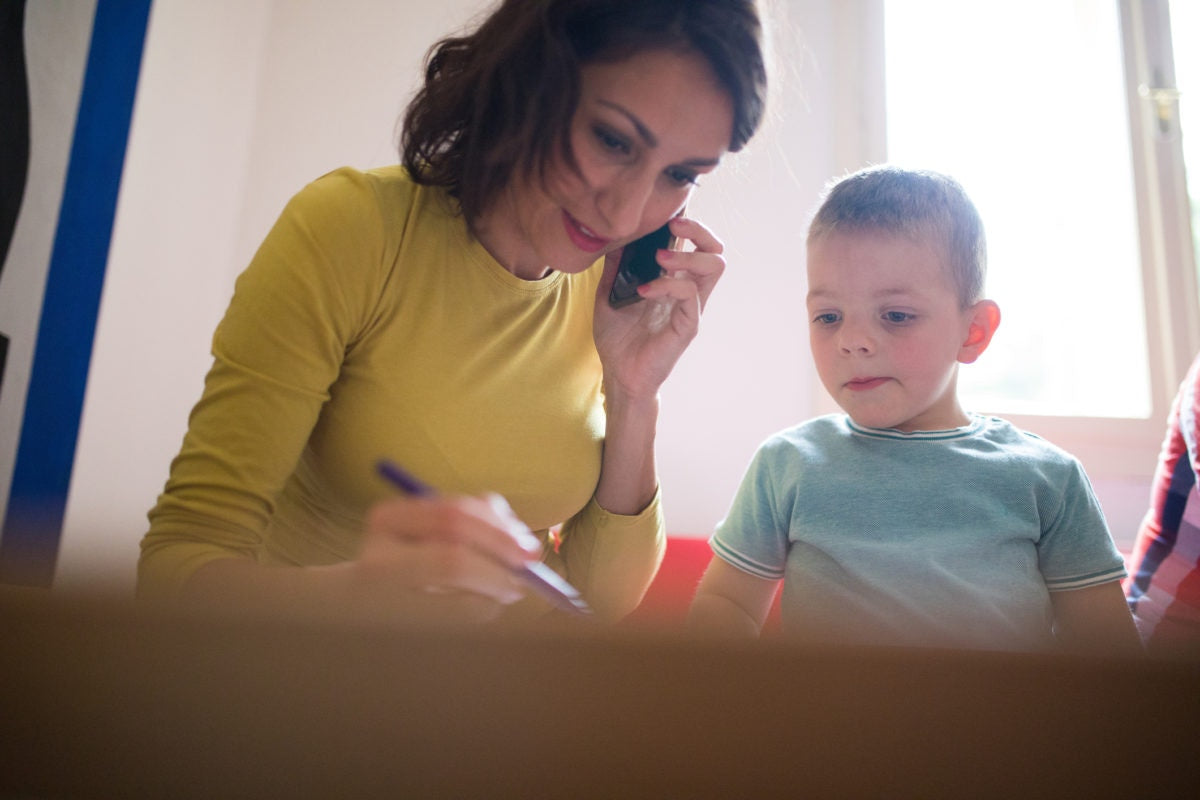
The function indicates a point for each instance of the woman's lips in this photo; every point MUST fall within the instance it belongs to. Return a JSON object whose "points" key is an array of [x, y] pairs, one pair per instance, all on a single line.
{"points": [[862, 384], [582, 237]]}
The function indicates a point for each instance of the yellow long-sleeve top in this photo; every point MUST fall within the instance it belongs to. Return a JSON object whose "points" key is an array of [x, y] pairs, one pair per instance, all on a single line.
{"points": [[371, 324]]}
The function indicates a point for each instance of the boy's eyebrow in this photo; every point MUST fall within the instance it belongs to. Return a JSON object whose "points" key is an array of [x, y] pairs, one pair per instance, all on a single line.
{"points": [[895, 292], [648, 135], [820, 294]]}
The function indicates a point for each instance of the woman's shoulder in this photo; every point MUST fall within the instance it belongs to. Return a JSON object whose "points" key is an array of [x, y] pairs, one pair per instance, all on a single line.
{"points": [[389, 188], [371, 211]]}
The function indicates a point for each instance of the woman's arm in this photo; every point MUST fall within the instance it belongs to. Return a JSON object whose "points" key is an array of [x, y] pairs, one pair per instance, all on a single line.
{"points": [[439, 560], [638, 353], [613, 548], [306, 298]]}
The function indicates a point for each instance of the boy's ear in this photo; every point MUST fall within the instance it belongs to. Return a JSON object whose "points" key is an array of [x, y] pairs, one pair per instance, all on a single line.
{"points": [[984, 319]]}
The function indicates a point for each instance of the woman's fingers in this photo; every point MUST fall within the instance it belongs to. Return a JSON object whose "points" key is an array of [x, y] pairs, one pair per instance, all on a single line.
{"points": [[640, 344], [703, 264], [463, 544], [701, 237], [441, 568], [486, 523]]}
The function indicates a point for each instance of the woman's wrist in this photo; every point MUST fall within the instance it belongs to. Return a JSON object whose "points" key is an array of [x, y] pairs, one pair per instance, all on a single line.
{"points": [[637, 405], [628, 476], [631, 421]]}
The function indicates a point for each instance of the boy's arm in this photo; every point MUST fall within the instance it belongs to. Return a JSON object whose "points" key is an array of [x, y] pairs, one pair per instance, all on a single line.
{"points": [[1095, 621], [730, 601]]}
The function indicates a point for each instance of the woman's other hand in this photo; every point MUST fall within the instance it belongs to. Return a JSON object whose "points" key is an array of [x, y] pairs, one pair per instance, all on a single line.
{"points": [[445, 558]]}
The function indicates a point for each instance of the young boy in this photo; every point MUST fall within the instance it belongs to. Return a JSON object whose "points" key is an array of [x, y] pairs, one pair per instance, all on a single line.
{"points": [[906, 520]]}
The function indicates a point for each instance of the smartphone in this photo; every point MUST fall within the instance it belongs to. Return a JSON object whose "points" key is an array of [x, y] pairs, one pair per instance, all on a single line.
{"points": [[638, 265]]}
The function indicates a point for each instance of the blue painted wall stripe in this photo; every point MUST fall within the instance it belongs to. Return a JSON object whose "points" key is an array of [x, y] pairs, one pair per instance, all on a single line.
{"points": [[54, 402]]}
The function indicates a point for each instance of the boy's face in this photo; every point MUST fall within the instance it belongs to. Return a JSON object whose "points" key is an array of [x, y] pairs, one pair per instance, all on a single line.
{"points": [[886, 329]]}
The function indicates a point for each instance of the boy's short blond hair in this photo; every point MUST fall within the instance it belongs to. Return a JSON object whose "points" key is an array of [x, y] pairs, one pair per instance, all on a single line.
{"points": [[919, 204]]}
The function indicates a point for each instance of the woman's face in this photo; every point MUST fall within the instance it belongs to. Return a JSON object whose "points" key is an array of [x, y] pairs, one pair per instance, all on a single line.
{"points": [[646, 128]]}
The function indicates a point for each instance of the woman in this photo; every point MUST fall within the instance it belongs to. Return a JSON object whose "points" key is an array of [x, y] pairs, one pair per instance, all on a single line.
{"points": [[451, 314]]}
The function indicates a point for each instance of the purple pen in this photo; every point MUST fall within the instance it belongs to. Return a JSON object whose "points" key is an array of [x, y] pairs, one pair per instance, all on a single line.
{"points": [[535, 574]]}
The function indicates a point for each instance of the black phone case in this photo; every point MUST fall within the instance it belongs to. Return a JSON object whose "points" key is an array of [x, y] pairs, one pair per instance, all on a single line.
{"points": [[638, 266]]}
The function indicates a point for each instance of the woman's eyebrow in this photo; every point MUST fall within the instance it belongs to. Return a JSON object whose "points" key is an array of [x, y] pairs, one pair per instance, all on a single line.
{"points": [[648, 135]]}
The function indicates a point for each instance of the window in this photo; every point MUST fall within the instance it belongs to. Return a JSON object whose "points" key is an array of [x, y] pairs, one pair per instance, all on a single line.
{"points": [[1185, 16], [1060, 119]]}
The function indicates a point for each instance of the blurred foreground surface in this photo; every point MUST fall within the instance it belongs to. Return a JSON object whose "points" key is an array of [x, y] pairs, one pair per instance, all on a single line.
{"points": [[98, 699]]}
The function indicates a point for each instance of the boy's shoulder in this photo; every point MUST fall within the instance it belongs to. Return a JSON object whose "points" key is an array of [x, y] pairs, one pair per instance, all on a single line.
{"points": [[1005, 434], [830, 426], [807, 440]]}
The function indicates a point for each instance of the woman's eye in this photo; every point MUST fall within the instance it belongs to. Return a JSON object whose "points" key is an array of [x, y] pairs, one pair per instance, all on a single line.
{"points": [[897, 317], [682, 177], [610, 141]]}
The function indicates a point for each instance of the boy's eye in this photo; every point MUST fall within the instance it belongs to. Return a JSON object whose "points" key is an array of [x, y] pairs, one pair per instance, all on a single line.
{"points": [[828, 318], [898, 317]]}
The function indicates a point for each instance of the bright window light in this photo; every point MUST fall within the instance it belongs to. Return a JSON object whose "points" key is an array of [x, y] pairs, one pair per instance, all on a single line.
{"points": [[1024, 103], [1185, 16]]}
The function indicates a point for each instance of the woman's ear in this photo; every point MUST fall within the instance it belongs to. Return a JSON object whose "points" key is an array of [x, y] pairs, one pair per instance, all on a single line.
{"points": [[984, 318]]}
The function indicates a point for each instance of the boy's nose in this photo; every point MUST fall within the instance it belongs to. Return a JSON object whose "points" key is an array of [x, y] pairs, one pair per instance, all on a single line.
{"points": [[854, 339]]}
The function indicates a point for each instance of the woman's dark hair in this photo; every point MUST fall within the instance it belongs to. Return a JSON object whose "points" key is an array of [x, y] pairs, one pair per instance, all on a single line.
{"points": [[501, 98]]}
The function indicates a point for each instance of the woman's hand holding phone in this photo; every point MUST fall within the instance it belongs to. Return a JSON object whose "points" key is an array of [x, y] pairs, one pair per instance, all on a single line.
{"points": [[638, 354]]}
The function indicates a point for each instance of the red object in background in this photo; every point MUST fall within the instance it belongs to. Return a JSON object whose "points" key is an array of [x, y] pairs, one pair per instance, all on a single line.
{"points": [[670, 595]]}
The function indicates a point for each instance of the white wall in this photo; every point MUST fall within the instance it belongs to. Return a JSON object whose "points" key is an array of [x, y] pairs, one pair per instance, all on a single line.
{"points": [[243, 101], [171, 266]]}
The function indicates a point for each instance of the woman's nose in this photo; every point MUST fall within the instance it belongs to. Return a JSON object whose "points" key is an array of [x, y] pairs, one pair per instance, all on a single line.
{"points": [[623, 201]]}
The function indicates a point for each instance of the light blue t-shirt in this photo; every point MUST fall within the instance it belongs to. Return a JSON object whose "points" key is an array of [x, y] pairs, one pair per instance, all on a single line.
{"points": [[947, 538]]}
